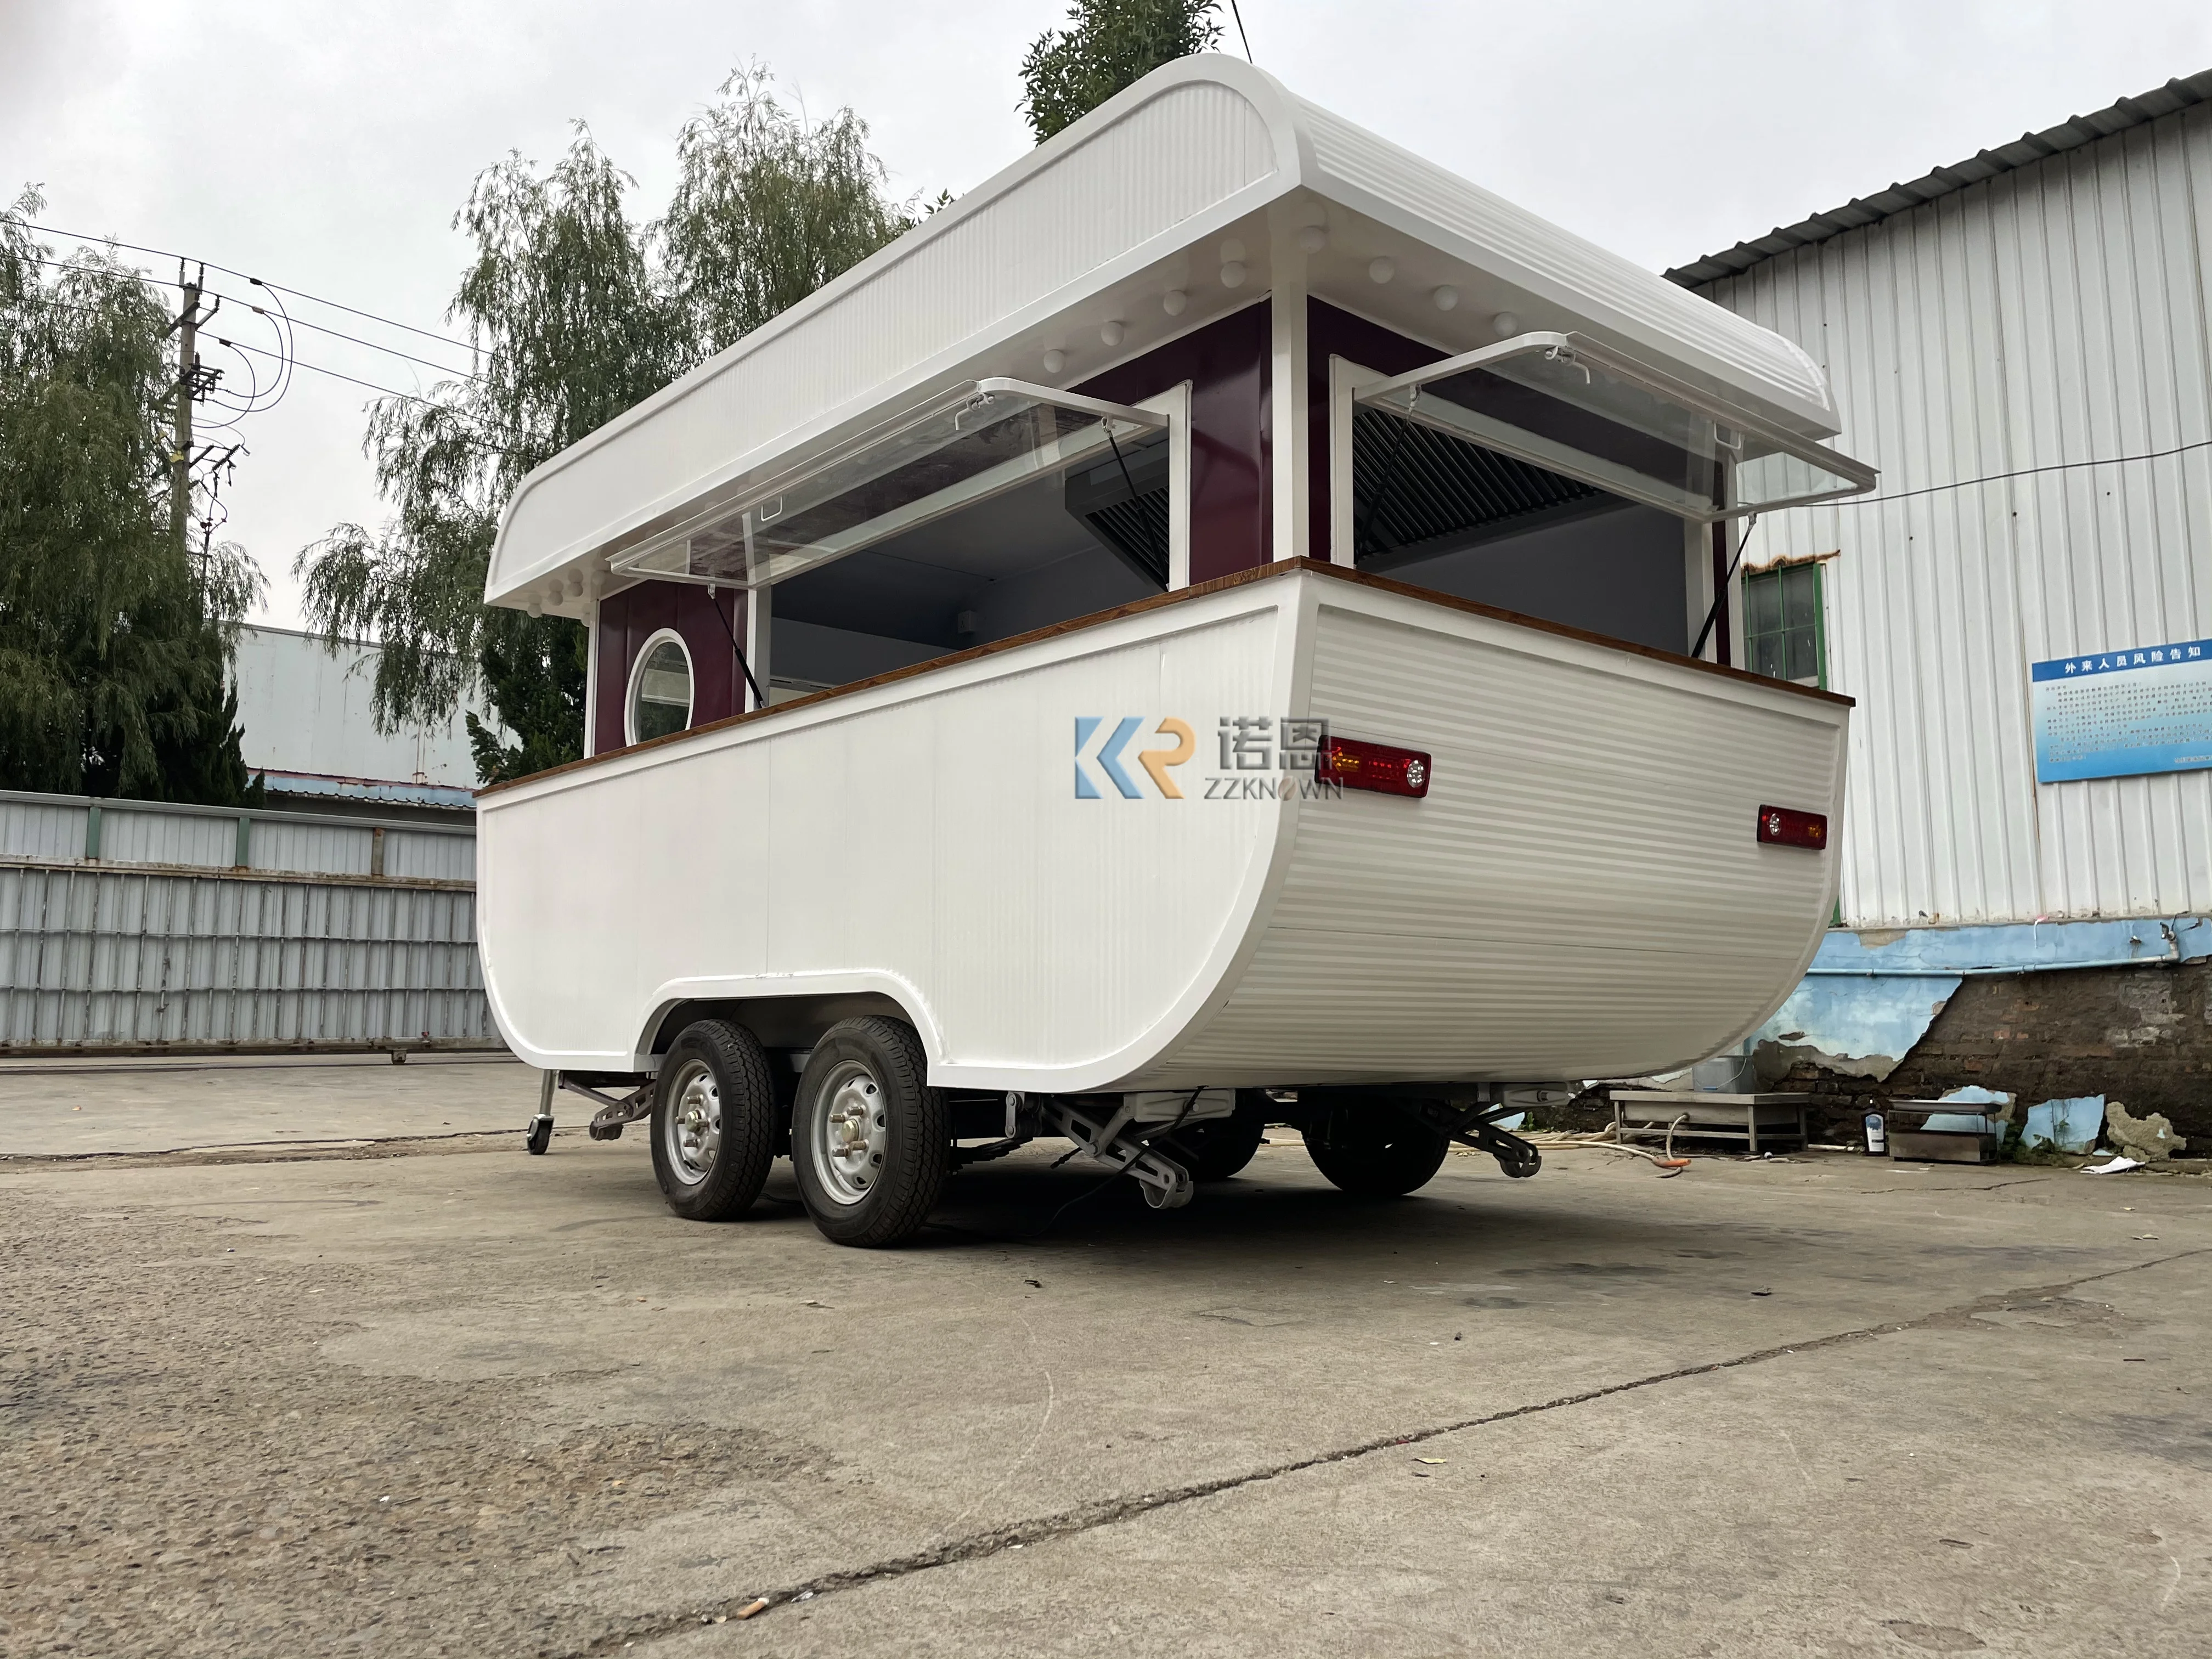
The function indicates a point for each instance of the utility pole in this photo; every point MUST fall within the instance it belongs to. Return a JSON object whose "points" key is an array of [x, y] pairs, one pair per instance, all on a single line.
{"points": [[189, 386]]}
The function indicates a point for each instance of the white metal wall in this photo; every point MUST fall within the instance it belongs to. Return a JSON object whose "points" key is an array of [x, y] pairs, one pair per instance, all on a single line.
{"points": [[2054, 314], [302, 708]]}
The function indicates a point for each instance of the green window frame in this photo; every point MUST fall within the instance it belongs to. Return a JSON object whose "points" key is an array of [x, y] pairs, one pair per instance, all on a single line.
{"points": [[1785, 624]]}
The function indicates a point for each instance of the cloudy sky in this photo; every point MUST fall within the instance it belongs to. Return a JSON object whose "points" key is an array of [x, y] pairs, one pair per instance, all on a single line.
{"points": [[326, 146]]}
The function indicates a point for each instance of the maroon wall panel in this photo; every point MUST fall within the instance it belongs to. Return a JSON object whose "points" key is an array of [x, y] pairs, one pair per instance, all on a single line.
{"points": [[1226, 362], [1331, 332], [629, 618]]}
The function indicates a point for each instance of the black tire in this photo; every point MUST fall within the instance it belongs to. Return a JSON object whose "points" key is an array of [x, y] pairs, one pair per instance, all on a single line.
{"points": [[1374, 1151], [865, 1088], [713, 1121], [537, 1137], [1219, 1147]]}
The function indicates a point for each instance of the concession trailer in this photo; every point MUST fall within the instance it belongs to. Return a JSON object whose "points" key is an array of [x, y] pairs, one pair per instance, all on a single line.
{"points": [[1226, 623]]}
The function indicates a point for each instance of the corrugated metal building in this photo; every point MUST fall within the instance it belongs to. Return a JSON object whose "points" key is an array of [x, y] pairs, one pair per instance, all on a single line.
{"points": [[2043, 305], [2020, 341], [133, 924]]}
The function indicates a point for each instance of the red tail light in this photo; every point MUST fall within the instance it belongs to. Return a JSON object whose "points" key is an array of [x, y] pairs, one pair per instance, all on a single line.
{"points": [[1377, 766], [1780, 826]]}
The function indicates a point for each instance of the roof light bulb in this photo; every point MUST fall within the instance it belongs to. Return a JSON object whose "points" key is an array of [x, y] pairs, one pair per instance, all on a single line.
{"points": [[1506, 324], [1232, 274], [1382, 270], [1055, 360], [1112, 333], [1173, 302], [1447, 298], [1313, 239]]}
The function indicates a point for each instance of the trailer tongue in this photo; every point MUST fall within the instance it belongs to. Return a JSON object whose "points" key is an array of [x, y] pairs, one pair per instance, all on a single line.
{"points": [[976, 754]]}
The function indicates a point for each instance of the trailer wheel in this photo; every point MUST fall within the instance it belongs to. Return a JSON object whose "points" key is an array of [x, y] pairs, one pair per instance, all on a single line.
{"points": [[713, 1121], [871, 1141], [1220, 1146], [1374, 1151]]}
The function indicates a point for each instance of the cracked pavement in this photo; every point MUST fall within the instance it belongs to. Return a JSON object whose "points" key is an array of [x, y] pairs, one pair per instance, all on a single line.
{"points": [[438, 1397]]}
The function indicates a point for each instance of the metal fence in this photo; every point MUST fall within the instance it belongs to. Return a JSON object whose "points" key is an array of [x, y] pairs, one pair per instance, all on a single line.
{"points": [[129, 925]]}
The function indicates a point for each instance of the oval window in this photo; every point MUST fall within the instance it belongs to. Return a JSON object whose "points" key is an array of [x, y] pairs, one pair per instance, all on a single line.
{"points": [[661, 689]]}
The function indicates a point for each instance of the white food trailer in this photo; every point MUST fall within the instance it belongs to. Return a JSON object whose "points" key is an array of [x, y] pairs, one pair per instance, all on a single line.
{"points": [[1227, 622]]}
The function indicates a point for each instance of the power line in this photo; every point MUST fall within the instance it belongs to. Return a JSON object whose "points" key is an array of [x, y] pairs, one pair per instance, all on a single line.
{"points": [[405, 397], [294, 363], [393, 351], [166, 253], [295, 322], [2023, 472], [1240, 35]]}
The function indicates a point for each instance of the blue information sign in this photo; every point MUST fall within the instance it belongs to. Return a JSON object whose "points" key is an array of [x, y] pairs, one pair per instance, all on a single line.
{"points": [[2121, 714]]}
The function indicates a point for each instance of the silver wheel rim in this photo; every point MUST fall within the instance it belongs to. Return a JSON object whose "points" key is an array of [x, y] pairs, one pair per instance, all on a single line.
{"points": [[852, 1131], [693, 1132]]}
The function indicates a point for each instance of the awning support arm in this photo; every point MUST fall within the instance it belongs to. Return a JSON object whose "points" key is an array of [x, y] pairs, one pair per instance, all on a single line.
{"points": [[1721, 597], [714, 604]]}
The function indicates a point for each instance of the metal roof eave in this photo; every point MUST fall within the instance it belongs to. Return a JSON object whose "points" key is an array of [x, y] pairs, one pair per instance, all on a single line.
{"points": [[2024, 151]]}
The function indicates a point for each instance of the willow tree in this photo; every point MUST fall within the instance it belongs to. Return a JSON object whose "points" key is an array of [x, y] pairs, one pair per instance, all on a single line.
{"points": [[115, 643], [578, 311], [1107, 45]]}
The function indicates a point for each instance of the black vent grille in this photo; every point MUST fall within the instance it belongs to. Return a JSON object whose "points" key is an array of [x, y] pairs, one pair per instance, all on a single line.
{"points": [[1415, 484], [1136, 528]]}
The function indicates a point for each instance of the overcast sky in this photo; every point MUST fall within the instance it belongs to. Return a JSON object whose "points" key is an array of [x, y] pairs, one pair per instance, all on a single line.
{"points": [[326, 146]]}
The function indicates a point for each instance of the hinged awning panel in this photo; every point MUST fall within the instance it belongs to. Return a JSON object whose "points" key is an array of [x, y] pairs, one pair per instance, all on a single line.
{"points": [[964, 448], [1567, 404]]}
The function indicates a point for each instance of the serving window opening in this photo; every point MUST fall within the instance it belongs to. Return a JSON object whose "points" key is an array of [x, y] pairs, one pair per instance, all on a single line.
{"points": [[996, 509], [1552, 477]]}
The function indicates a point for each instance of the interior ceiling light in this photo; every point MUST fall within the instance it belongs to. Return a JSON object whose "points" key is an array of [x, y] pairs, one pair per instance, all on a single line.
{"points": [[1382, 270], [1447, 298], [1173, 302]]}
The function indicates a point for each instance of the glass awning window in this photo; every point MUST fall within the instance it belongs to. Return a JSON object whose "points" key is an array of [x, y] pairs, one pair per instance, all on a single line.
{"points": [[965, 446], [1579, 409]]}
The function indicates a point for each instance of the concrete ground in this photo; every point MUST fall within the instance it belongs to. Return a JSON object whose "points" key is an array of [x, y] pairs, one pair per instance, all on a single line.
{"points": [[66, 1108], [461, 1401]]}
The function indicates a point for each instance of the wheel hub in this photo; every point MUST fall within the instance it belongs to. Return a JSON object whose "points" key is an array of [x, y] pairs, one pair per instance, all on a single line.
{"points": [[694, 1124], [853, 1133]]}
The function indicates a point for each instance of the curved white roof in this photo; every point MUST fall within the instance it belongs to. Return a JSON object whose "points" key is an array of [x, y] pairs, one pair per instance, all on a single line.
{"points": [[1143, 196]]}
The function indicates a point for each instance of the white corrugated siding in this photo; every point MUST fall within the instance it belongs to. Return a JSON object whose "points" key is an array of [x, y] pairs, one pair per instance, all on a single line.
{"points": [[2054, 314]]}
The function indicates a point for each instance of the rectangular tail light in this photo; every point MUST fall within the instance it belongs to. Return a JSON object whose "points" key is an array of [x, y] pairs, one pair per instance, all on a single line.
{"points": [[1783, 826], [1376, 766]]}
